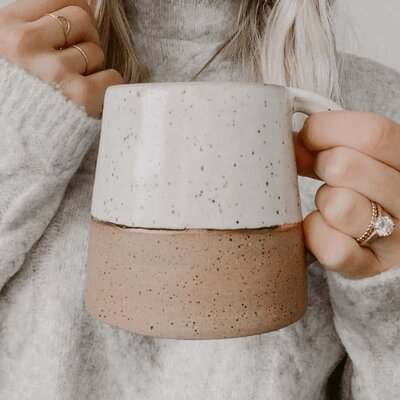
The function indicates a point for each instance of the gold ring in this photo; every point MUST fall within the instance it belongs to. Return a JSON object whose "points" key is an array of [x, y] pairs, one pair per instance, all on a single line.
{"points": [[374, 208], [380, 225], [84, 55], [66, 30]]}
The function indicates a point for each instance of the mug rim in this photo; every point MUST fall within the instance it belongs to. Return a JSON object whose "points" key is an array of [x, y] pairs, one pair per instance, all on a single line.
{"points": [[125, 86]]}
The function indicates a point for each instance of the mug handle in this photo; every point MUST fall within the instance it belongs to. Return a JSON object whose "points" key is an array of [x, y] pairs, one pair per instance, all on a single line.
{"points": [[309, 103]]}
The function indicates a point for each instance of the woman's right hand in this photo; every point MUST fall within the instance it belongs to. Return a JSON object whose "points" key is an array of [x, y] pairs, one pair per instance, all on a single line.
{"points": [[32, 40]]}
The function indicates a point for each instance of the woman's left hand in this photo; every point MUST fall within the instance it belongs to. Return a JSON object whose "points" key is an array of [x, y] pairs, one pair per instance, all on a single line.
{"points": [[357, 155]]}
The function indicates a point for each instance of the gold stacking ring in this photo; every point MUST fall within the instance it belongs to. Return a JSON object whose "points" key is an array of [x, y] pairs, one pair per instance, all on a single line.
{"points": [[65, 26], [84, 55]]}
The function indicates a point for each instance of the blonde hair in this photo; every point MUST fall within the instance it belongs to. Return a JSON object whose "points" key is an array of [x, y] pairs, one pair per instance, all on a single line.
{"points": [[287, 42]]}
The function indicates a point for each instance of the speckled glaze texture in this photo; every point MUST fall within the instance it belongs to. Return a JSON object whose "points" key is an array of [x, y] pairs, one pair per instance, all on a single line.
{"points": [[196, 155], [196, 228], [196, 283]]}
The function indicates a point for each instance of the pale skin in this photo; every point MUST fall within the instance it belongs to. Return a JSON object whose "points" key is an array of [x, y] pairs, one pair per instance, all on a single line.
{"points": [[355, 154], [32, 40]]}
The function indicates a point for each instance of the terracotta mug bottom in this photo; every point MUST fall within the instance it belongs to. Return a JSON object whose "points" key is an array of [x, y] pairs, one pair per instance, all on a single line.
{"points": [[196, 283]]}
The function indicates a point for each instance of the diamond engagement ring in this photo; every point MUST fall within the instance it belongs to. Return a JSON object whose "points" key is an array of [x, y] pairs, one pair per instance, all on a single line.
{"points": [[380, 225]]}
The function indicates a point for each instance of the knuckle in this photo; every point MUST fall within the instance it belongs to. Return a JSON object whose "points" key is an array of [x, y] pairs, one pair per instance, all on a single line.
{"points": [[379, 135], [339, 206], [338, 164]]}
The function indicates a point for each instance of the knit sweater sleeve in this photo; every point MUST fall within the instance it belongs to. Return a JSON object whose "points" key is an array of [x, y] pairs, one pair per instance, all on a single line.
{"points": [[43, 138], [367, 320], [367, 311]]}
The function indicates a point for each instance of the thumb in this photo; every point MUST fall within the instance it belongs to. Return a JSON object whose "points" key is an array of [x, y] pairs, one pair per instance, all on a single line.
{"points": [[305, 158]]}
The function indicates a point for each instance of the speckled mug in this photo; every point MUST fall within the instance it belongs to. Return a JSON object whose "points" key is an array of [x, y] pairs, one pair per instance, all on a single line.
{"points": [[196, 228]]}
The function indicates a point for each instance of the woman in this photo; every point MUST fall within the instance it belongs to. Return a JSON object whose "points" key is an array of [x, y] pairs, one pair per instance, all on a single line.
{"points": [[51, 98]]}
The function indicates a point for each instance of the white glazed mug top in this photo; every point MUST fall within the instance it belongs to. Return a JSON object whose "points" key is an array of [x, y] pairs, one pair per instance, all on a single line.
{"points": [[215, 155]]}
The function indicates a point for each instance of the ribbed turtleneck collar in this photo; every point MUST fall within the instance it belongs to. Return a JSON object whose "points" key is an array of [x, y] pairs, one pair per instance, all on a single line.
{"points": [[197, 20], [174, 38]]}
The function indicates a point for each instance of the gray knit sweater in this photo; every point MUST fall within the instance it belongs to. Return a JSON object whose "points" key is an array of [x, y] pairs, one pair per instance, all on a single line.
{"points": [[52, 349]]}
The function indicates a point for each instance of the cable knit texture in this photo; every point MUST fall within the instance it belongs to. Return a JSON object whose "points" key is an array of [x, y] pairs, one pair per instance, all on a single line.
{"points": [[52, 349]]}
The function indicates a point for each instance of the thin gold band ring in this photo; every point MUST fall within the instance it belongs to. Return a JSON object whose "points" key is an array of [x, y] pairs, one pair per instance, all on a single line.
{"points": [[66, 30], [85, 57], [375, 213]]}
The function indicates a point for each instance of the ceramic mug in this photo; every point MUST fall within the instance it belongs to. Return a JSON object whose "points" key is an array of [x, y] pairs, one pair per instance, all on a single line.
{"points": [[196, 227]]}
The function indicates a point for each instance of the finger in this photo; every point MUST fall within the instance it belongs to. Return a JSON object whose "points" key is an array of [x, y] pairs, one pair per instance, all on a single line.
{"points": [[342, 166], [351, 213], [369, 133], [82, 30], [344, 209], [305, 158], [74, 61], [30, 10], [100, 81], [338, 251], [89, 90]]}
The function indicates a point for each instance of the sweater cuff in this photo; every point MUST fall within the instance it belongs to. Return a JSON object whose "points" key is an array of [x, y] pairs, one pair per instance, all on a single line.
{"points": [[53, 132], [372, 298]]}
